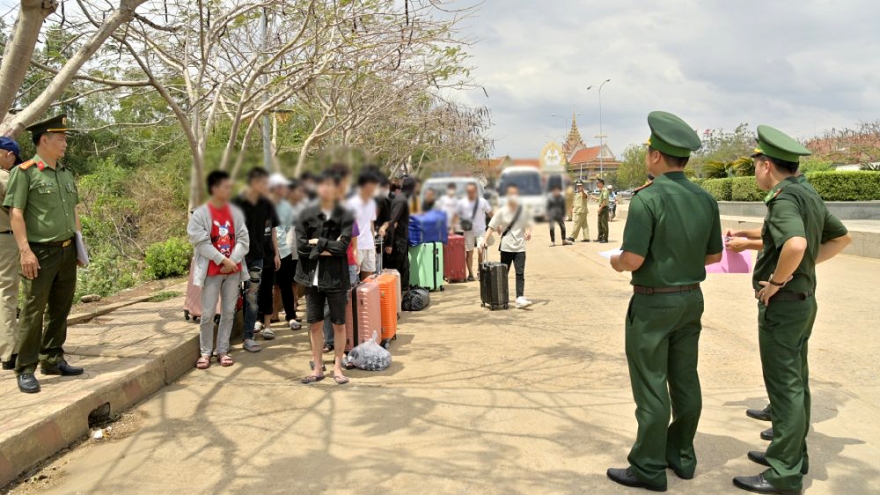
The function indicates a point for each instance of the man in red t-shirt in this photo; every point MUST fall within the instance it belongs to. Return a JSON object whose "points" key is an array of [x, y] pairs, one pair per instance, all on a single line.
{"points": [[220, 239]]}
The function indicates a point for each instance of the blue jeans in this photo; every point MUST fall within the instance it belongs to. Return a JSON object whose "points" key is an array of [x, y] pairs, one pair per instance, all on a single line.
{"points": [[251, 302]]}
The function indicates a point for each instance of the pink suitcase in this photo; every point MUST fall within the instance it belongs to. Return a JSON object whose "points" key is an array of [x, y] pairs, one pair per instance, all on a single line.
{"points": [[455, 260], [349, 320], [367, 312], [192, 305]]}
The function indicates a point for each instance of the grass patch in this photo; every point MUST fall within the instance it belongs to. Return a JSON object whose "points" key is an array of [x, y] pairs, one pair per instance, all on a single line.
{"points": [[164, 296]]}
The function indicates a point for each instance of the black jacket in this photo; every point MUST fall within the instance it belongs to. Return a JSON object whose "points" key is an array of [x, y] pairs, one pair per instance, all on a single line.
{"points": [[398, 233], [334, 236], [556, 207]]}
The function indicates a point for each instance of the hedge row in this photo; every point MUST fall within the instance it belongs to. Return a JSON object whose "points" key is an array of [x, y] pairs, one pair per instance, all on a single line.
{"points": [[832, 186]]}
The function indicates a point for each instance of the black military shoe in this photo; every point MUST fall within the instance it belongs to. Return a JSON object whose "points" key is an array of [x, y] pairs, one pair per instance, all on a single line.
{"points": [[10, 365], [625, 477], [761, 458], [61, 368], [28, 383], [767, 434], [757, 484], [759, 414]]}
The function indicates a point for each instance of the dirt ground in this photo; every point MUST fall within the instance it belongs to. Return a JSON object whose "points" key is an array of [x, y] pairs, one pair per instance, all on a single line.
{"points": [[507, 402], [145, 289]]}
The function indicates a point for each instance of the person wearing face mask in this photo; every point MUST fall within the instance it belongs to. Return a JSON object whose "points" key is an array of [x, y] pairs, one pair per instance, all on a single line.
{"points": [[515, 227], [449, 205]]}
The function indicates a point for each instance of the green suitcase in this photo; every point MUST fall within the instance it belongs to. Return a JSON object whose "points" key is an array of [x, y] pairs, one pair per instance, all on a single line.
{"points": [[426, 266]]}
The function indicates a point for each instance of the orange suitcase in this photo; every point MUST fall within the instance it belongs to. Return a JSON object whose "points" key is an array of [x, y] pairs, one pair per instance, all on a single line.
{"points": [[388, 302]]}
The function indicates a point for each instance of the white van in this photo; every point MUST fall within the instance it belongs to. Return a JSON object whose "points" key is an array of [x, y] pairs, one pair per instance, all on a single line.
{"points": [[531, 189]]}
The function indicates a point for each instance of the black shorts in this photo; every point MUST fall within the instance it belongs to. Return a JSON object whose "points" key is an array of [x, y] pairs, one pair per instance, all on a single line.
{"points": [[315, 300]]}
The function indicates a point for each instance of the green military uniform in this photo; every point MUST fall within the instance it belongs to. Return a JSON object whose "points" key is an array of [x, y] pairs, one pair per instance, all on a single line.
{"points": [[604, 198], [47, 196], [794, 209], [674, 224], [579, 216]]}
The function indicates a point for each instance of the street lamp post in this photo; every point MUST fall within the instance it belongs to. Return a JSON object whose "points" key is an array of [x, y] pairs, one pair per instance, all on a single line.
{"points": [[601, 134]]}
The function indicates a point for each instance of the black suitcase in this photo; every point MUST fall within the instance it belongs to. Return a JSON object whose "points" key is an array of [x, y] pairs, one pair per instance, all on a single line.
{"points": [[493, 284]]}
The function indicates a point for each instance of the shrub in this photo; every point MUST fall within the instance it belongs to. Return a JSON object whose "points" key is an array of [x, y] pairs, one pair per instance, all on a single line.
{"points": [[746, 189], [168, 259], [720, 189], [846, 186], [698, 181]]}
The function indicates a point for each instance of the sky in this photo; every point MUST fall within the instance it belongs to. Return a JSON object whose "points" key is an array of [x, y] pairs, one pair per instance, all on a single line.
{"points": [[802, 66]]}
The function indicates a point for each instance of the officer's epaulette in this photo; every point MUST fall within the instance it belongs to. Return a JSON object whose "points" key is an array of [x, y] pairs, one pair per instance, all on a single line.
{"points": [[26, 165], [647, 184], [772, 195]]}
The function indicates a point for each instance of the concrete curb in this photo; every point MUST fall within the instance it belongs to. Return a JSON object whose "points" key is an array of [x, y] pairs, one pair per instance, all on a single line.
{"points": [[55, 432]]}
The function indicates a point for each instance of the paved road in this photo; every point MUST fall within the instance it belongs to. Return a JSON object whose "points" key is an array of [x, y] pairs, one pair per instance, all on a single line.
{"points": [[516, 402]]}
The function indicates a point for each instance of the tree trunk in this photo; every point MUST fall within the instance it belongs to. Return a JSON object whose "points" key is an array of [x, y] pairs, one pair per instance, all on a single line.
{"points": [[123, 14], [19, 50]]}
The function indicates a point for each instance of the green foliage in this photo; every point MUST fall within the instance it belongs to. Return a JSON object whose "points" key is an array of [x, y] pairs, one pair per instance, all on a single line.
{"points": [[846, 186], [717, 170], [164, 296], [746, 189], [108, 273], [744, 167], [168, 259], [698, 181], [721, 149], [720, 189], [632, 172], [814, 164]]}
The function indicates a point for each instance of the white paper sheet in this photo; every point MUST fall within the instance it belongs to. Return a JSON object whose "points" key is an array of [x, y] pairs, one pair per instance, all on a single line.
{"points": [[609, 254], [82, 255]]}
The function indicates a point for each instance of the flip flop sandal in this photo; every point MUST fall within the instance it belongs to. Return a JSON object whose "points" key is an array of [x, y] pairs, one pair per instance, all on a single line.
{"points": [[203, 363], [226, 361], [341, 380], [311, 379]]}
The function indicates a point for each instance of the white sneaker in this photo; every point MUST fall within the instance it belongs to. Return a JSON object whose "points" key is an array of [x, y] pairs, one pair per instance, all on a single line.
{"points": [[552, 244], [522, 303], [294, 325]]}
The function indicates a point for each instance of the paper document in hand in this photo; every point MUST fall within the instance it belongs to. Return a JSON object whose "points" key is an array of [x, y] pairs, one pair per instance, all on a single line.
{"points": [[609, 254], [81, 254], [732, 262]]}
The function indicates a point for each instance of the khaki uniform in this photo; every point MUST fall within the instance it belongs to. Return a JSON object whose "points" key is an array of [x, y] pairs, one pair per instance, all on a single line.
{"points": [[579, 216], [9, 267], [794, 209], [48, 198], [674, 225]]}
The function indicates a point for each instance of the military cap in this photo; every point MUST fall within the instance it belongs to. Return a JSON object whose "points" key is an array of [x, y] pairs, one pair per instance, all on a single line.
{"points": [[579, 183], [57, 124], [9, 144], [779, 145], [672, 136]]}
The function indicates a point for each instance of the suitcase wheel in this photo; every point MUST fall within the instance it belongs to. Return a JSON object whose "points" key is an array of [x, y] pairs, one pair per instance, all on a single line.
{"points": [[442, 289], [216, 319], [491, 307], [197, 319], [186, 315], [506, 306]]}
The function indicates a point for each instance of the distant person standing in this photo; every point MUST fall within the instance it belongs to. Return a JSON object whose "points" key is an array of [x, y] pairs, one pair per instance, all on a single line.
{"points": [[672, 233], [430, 200], [262, 220], [364, 207], [556, 215], [569, 202], [10, 156], [604, 205], [449, 204], [41, 200], [220, 241], [397, 237], [471, 215], [279, 190], [579, 211], [798, 234], [514, 225]]}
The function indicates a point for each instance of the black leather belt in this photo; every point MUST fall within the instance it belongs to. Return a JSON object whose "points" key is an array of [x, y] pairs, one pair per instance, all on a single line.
{"points": [[7, 232], [650, 291], [61, 244], [789, 296]]}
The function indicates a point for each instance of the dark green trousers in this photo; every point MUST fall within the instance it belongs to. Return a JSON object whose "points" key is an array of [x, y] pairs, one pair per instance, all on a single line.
{"points": [[784, 333], [603, 223], [662, 343], [50, 295]]}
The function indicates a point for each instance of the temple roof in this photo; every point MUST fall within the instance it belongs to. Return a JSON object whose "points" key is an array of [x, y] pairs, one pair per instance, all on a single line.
{"points": [[574, 142]]}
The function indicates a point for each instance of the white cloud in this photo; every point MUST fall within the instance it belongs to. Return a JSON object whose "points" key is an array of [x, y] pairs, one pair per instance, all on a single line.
{"points": [[804, 66]]}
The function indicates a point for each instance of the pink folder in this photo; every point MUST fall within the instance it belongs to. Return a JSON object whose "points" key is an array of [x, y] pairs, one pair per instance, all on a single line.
{"points": [[732, 262]]}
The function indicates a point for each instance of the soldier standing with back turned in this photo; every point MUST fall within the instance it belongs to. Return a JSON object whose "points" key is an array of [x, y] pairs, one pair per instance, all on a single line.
{"points": [[41, 201], [672, 232], [798, 233]]}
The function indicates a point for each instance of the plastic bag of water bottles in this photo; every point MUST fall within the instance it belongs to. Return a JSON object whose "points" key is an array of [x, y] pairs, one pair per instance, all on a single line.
{"points": [[370, 356]]}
